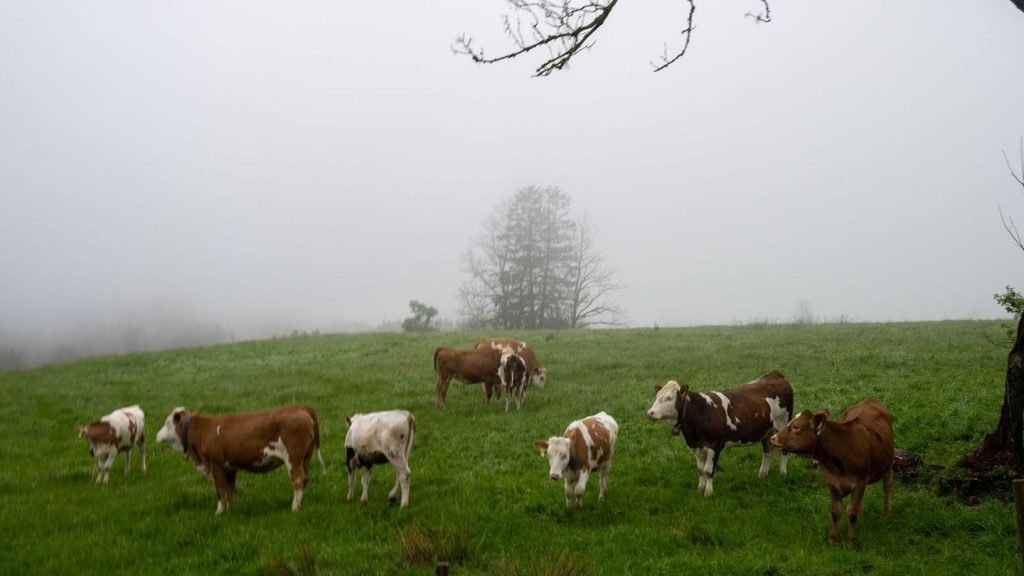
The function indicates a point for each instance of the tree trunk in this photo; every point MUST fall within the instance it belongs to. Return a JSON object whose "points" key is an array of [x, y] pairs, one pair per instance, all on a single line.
{"points": [[1005, 446]]}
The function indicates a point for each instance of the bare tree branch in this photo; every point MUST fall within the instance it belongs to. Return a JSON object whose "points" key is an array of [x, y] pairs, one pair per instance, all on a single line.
{"points": [[687, 33], [765, 16]]}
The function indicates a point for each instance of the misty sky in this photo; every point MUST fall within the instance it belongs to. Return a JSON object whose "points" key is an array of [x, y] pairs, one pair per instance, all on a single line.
{"points": [[311, 164]]}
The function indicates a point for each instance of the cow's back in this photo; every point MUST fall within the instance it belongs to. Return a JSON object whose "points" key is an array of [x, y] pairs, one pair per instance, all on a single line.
{"points": [[242, 437], [519, 347], [871, 425]]}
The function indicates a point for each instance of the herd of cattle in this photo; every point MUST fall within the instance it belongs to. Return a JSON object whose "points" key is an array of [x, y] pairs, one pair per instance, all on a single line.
{"points": [[851, 453]]}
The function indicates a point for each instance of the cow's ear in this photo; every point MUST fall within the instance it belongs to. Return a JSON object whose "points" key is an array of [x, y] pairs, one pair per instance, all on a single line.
{"points": [[541, 445], [819, 419], [684, 389], [348, 420], [657, 388], [177, 417]]}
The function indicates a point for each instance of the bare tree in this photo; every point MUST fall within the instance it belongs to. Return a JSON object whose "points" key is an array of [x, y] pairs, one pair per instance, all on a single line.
{"points": [[567, 27], [593, 281], [1006, 444]]}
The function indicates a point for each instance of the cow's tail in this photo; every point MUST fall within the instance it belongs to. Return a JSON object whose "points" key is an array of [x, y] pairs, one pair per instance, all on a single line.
{"points": [[408, 441], [316, 441]]}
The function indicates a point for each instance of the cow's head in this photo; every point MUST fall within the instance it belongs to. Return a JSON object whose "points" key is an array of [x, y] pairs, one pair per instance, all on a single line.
{"points": [[800, 436], [664, 407], [556, 449], [171, 433], [539, 377]]}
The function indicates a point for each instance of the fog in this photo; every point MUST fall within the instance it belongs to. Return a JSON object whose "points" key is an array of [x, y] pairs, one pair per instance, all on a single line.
{"points": [[194, 172]]}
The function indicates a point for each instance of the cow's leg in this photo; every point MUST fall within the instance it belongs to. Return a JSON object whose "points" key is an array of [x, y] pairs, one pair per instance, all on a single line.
{"points": [[853, 511], [127, 460], [108, 463], [581, 486], [508, 396], [229, 482], [710, 464], [442, 390], [568, 491], [699, 454], [766, 457], [520, 395], [299, 472], [366, 485], [887, 485], [604, 470], [402, 474], [837, 510], [221, 484], [782, 463], [351, 481], [142, 450]]}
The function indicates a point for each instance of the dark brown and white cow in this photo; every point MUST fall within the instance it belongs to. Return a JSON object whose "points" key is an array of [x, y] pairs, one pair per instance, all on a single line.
{"points": [[586, 445], [378, 438], [512, 372], [710, 421], [538, 374], [116, 432], [220, 446], [851, 454]]}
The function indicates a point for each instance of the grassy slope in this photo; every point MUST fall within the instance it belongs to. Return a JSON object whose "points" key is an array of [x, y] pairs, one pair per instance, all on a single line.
{"points": [[480, 495]]}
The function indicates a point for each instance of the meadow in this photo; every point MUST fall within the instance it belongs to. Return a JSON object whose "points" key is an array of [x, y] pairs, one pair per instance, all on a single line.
{"points": [[480, 496]]}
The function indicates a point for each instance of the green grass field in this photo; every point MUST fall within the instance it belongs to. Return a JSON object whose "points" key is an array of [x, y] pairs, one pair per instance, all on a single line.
{"points": [[480, 495]]}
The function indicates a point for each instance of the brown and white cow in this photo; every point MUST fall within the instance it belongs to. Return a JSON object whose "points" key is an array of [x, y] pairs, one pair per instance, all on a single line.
{"points": [[586, 445], [538, 374], [220, 446], [512, 372], [851, 454], [116, 432], [377, 438], [710, 421]]}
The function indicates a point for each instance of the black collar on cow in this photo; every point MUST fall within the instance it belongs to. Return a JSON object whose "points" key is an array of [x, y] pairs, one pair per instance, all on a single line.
{"points": [[681, 419], [184, 434]]}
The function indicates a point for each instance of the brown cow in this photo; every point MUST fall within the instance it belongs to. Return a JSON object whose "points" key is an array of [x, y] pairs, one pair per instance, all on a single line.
{"points": [[115, 432], [537, 372], [471, 366], [851, 454], [220, 446]]}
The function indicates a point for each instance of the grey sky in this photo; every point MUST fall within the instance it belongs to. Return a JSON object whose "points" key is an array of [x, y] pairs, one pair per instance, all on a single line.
{"points": [[308, 164]]}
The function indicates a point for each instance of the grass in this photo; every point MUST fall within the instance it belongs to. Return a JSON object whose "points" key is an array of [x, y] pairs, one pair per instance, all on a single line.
{"points": [[480, 496]]}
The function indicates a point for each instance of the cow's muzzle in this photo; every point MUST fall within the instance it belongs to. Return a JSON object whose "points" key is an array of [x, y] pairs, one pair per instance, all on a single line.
{"points": [[555, 476]]}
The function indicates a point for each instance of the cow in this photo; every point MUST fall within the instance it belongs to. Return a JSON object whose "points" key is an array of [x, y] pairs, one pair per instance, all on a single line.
{"points": [[711, 421], [220, 446], [116, 432], [471, 366], [538, 374], [378, 438], [586, 445], [851, 453], [512, 373]]}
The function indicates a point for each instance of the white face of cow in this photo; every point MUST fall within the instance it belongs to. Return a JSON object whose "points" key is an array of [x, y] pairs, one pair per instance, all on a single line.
{"points": [[557, 451], [540, 377], [169, 433], [664, 407]]}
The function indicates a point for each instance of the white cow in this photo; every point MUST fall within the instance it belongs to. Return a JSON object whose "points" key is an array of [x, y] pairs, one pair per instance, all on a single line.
{"points": [[378, 438], [116, 432], [586, 445]]}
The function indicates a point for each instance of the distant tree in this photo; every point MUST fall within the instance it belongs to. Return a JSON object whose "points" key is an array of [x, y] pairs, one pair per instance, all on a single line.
{"points": [[567, 27], [528, 272], [421, 317], [804, 313], [11, 359], [593, 281]]}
